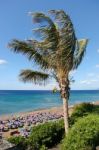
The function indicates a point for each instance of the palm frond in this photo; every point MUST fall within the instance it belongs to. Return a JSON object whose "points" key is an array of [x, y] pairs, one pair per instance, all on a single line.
{"points": [[65, 26], [48, 32], [50, 38], [30, 49], [39, 17], [33, 76], [79, 52], [67, 37], [21, 46]]}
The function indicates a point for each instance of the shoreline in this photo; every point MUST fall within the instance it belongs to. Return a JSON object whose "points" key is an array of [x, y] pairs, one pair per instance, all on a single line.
{"points": [[53, 110], [57, 109]]}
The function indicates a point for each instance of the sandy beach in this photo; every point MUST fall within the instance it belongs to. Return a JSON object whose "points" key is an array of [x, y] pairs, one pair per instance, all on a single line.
{"points": [[53, 110]]}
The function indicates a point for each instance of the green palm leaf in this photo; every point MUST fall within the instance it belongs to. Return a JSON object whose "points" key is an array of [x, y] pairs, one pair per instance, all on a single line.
{"points": [[48, 32], [65, 29], [33, 76], [30, 49], [67, 38], [79, 52]]}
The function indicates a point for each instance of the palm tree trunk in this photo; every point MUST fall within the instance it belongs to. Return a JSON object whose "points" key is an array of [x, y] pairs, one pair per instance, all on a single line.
{"points": [[65, 96], [66, 115]]}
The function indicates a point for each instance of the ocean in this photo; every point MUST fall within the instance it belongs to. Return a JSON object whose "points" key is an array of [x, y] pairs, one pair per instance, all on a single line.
{"points": [[12, 101]]}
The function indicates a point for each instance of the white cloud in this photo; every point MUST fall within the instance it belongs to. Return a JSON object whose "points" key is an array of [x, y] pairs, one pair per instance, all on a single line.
{"points": [[88, 81], [97, 66], [2, 61], [84, 82]]}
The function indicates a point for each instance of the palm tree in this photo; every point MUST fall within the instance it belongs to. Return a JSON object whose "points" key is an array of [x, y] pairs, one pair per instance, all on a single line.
{"points": [[56, 50]]}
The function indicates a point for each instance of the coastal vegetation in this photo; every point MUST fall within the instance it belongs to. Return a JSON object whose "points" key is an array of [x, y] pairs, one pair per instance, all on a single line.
{"points": [[82, 110], [44, 135], [55, 49], [83, 132]]}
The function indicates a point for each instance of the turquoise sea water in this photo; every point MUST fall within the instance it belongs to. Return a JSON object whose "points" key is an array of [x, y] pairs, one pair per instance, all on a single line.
{"points": [[20, 101]]}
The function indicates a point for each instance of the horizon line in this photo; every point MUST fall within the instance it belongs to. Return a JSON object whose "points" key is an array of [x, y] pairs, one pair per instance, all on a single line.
{"points": [[45, 90]]}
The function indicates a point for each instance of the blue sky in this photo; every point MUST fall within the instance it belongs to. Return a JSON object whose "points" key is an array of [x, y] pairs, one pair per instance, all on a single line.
{"points": [[16, 23]]}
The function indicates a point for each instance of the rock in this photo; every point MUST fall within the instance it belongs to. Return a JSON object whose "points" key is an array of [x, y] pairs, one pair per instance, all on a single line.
{"points": [[97, 148], [5, 145]]}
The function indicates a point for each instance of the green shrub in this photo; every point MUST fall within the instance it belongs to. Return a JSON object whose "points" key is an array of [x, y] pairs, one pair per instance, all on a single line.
{"points": [[96, 109], [43, 147], [47, 134], [16, 140], [81, 110], [20, 142], [84, 134]]}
